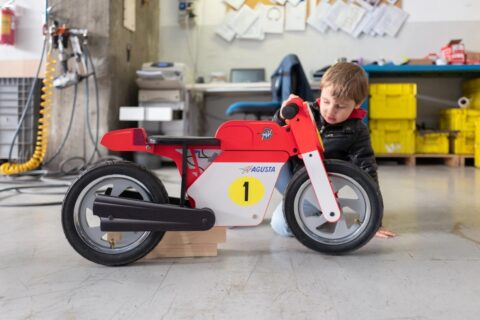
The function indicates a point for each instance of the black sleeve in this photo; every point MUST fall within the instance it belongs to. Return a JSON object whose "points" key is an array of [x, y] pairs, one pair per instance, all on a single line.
{"points": [[277, 119], [361, 152]]}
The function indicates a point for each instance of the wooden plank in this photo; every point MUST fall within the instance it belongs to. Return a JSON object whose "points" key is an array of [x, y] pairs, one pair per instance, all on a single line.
{"points": [[183, 250], [214, 235]]}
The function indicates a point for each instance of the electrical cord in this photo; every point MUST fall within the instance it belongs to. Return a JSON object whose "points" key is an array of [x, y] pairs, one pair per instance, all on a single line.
{"points": [[97, 107], [67, 133]]}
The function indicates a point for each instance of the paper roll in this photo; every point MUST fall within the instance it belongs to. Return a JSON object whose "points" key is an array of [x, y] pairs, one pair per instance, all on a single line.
{"points": [[463, 102]]}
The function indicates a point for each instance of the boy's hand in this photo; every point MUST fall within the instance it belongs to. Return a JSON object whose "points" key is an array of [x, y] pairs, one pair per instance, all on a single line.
{"points": [[385, 234], [286, 102]]}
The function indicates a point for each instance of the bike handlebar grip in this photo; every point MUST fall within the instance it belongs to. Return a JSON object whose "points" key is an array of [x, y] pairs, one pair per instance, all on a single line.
{"points": [[289, 111]]}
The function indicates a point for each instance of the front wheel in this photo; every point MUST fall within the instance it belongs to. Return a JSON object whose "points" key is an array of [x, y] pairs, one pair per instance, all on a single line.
{"points": [[82, 228], [359, 200]]}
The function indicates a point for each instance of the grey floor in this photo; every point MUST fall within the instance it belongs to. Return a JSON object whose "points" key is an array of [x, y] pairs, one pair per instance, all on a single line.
{"points": [[431, 270]]}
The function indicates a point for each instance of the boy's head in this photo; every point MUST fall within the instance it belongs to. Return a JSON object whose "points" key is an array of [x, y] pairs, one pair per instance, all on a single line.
{"points": [[343, 88]]}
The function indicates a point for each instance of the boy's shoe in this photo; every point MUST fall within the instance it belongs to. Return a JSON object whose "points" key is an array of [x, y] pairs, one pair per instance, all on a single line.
{"points": [[278, 223]]}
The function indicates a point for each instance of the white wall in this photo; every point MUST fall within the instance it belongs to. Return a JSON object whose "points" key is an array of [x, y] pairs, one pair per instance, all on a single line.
{"points": [[29, 38], [430, 25], [442, 10]]}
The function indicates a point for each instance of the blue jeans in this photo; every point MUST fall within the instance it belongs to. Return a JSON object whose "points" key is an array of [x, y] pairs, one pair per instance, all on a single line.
{"points": [[278, 223]]}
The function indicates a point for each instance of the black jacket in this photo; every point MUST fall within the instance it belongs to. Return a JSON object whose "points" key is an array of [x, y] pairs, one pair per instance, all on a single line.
{"points": [[349, 141]]}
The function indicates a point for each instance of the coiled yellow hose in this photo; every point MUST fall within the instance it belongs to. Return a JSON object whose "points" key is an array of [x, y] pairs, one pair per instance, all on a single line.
{"points": [[43, 124]]}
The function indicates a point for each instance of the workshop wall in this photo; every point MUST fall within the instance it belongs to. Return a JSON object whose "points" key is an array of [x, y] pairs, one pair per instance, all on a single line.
{"points": [[426, 30], [116, 53]]}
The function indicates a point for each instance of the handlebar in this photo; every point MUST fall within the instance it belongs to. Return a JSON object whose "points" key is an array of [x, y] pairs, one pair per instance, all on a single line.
{"points": [[289, 111], [292, 108]]}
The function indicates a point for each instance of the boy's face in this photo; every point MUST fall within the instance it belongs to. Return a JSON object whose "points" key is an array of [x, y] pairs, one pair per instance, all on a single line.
{"points": [[335, 110]]}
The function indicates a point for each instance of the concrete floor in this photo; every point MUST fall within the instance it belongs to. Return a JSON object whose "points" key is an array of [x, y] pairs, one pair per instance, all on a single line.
{"points": [[431, 270]]}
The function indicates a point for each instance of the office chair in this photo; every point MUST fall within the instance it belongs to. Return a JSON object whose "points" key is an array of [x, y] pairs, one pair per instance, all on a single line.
{"points": [[288, 78]]}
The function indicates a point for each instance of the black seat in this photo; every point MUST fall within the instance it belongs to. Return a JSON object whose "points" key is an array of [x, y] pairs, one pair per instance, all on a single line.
{"points": [[197, 141]]}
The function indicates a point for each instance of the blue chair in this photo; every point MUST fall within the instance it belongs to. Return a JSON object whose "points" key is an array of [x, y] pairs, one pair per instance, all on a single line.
{"points": [[288, 78]]}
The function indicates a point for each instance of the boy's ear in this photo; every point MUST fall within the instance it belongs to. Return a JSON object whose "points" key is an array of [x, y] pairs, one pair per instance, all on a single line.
{"points": [[358, 106]]}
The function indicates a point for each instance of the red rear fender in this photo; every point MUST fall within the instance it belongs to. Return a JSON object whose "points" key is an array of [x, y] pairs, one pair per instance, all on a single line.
{"points": [[133, 139]]}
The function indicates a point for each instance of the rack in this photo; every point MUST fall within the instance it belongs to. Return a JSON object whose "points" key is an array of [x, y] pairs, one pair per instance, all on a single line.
{"points": [[433, 73]]}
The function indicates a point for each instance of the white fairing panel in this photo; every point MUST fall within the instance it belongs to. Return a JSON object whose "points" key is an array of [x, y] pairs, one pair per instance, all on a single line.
{"points": [[237, 192]]}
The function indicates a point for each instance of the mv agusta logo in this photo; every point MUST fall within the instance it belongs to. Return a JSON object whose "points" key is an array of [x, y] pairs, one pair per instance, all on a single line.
{"points": [[266, 134], [257, 169]]}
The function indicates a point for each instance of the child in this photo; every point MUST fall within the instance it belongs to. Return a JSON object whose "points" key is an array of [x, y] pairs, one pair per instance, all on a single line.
{"points": [[338, 116]]}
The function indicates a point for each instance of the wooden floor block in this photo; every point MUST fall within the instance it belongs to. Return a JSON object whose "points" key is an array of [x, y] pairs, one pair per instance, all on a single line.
{"points": [[177, 244], [214, 235]]}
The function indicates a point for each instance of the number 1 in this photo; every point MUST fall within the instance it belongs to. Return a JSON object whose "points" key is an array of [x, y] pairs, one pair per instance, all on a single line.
{"points": [[245, 185]]}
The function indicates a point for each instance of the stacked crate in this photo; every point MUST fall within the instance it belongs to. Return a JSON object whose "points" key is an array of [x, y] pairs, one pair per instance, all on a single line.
{"points": [[13, 98], [477, 145], [432, 142], [471, 90], [393, 109], [461, 122]]}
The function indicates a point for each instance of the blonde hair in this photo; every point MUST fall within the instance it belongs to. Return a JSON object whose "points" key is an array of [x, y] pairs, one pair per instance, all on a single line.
{"points": [[348, 81]]}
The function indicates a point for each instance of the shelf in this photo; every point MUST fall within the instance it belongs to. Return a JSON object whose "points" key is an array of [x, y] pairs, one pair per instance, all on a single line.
{"points": [[463, 70]]}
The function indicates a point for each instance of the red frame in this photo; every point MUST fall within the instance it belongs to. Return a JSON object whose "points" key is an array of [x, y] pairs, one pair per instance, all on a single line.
{"points": [[240, 141]]}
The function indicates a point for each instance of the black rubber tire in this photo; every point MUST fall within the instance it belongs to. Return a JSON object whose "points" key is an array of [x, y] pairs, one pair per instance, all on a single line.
{"points": [[155, 189], [338, 246]]}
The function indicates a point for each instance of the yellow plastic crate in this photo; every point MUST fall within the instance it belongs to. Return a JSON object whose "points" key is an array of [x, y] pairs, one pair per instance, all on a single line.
{"points": [[395, 124], [471, 86], [393, 89], [474, 99], [431, 142], [393, 142], [393, 101], [463, 142], [477, 145], [393, 107], [459, 119], [477, 155]]}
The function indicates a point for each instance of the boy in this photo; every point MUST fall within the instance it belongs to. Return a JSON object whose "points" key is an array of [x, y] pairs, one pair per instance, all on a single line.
{"points": [[339, 119]]}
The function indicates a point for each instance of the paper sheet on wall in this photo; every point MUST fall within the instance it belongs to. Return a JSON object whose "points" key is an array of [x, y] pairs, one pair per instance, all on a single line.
{"points": [[317, 14], [349, 18], [368, 4], [295, 16], [392, 20], [223, 30], [333, 14], [370, 28], [294, 2], [236, 4], [243, 20], [272, 17], [359, 29], [255, 31]]}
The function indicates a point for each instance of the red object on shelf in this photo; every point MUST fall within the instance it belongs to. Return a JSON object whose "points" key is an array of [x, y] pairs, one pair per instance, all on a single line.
{"points": [[7, 23], [454, 52]]}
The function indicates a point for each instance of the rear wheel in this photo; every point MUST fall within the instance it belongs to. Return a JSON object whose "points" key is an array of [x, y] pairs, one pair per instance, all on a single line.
{"points": [[82, 228], [359, 200]]}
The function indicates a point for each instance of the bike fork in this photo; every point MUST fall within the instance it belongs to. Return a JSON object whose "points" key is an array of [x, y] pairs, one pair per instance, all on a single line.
{"points": [[322, 186]]}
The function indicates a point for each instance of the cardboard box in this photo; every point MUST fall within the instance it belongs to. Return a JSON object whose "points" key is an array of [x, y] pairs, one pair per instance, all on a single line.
{"points": [[454, 52], [420, 62], [473, 57]]}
